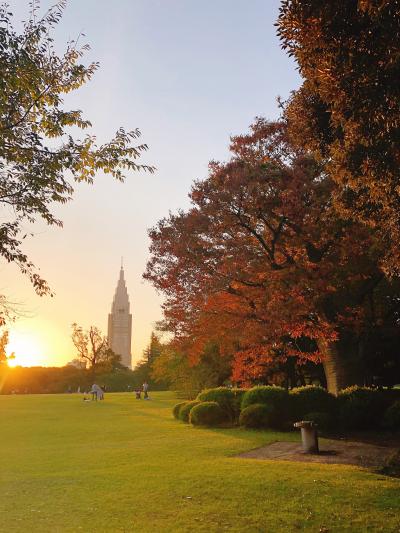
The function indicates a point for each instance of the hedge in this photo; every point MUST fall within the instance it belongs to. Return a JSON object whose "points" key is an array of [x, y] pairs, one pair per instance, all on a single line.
{"points": [[207, 414], [360, 408], [275, 396], [323, 420], [176, 409], [184, 411], [354, 408], [224, 397], [257, 416], [310, 399]]}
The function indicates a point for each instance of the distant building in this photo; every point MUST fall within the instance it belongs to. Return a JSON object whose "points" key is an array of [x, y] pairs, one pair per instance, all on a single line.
{"points": [[120, 323], [77, 363]]}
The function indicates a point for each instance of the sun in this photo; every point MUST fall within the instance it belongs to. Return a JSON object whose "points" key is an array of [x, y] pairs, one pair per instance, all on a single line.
{"points": [[27, 348]]}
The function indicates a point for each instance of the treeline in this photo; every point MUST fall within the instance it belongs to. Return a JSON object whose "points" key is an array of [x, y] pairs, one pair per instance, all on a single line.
{"points": [[163, 366], [106, 371], [47, 380]]}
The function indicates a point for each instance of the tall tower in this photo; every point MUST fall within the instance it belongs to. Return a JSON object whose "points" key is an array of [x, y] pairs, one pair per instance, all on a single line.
{"points": [[120, 323]]}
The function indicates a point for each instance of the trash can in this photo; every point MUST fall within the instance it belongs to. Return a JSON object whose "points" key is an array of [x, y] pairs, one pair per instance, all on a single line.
{"points": [[309, 435]]}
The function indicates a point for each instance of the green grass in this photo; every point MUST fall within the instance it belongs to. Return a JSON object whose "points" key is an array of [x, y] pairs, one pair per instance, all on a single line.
{"points": [[127, 465]]}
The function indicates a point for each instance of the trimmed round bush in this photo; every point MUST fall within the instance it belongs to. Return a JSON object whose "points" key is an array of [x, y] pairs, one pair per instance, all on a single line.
{"points": [[391, 419], [276, 398], [184, 411], [360, 408], [310, 399], [257, 415], [271, 395], [222, 395], [207, 414], [177, 408], [323, 420], [229, 399]]}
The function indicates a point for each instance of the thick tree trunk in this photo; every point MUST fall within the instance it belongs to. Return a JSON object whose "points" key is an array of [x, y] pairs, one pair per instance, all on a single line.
{"points": [[342, 367]]}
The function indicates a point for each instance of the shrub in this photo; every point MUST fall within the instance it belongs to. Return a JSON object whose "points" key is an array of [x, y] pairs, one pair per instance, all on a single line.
{"points": [[360, 408], [224, 397], [207, 414], [184, 411], [391, 419], [322, 419], [275, 397], [310, 399], [238, 397], [177, 408], [257, 415]]}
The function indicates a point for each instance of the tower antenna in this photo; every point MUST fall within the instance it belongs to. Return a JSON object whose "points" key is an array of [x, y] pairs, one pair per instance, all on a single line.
{"points": [[122, 262]]}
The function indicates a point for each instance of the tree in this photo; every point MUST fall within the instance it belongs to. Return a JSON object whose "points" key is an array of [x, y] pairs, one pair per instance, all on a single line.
{"points": [[262, 263], [39, 156], [173, 367], [93, 350], [3, 344], [143, 369], [9, 311], [347, 110], [153, 350]]}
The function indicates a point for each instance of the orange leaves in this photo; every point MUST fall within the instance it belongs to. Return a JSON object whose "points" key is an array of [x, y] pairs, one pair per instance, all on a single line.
{"points": [[347, 110], [261, 263]]}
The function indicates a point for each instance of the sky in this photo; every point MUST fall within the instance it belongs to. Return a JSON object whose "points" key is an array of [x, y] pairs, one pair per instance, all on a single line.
{"points": [[189, 75]]}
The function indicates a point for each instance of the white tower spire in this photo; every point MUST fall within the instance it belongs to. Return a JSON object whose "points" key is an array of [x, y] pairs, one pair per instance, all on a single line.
{"points": [[120, 322]]}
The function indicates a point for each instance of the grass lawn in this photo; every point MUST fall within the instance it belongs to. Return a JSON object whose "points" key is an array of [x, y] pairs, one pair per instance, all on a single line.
{"points": [[127, 465]]}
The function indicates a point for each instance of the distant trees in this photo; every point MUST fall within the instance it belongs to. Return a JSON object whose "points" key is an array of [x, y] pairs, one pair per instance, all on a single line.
{"points": [[347, 111], [68, 378], [39, 156], [263, 264], [144, 368]]}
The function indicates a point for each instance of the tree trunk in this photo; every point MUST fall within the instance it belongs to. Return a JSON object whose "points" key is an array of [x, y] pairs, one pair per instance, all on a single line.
{"points": [[342, 366]]}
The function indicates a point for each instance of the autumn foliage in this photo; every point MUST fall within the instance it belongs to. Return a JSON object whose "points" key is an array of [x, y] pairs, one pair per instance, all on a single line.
{"points": [[347, 110], [262, 263]]}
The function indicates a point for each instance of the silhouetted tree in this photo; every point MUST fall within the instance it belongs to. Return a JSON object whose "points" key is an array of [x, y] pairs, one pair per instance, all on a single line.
{"points": [[93, 350]]}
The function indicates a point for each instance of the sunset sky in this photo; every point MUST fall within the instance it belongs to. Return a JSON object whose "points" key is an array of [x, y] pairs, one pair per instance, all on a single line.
{"points": [[188, 74]]}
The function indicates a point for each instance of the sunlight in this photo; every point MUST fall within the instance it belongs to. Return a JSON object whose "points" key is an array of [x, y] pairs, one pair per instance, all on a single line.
{"points": [[27, 348]]}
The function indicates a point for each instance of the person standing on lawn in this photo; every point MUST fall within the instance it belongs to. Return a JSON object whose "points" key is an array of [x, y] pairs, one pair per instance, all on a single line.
{"points": [[145, 390], [97, 392]]}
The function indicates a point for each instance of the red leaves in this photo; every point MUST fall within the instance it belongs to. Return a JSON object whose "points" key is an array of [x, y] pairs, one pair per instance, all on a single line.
{"points": [[261, 263]]}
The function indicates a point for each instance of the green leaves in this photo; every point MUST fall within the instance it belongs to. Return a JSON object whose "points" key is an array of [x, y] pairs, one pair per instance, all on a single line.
{"points": [[39, 157]]}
